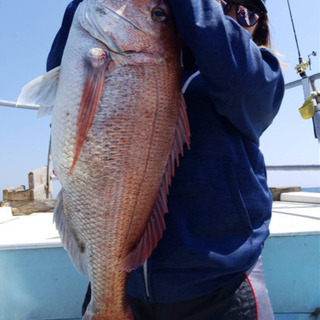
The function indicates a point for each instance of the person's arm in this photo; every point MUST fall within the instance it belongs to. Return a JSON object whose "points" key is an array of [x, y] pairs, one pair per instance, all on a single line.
{"points": [[56, 52], [245, 81]]}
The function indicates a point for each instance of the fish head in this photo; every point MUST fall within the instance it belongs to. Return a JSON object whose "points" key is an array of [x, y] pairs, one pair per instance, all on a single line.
{"points": [[141, 28]]}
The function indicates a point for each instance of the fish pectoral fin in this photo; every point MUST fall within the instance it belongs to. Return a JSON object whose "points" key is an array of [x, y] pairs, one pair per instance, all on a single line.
{"points": [[156, 224], [41, 91], [97, 63], [71, 243]]}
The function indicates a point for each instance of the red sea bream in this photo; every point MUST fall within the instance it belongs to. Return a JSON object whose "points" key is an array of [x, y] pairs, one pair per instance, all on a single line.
{"points": [[118, 125]]}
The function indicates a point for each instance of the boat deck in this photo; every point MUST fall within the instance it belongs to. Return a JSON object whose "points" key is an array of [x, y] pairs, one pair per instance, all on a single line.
{"points": [[27, 232], [291, 257], [39, 281]]}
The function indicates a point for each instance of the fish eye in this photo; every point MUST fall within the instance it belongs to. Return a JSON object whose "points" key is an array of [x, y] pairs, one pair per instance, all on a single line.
{"points": [[158, 14]]}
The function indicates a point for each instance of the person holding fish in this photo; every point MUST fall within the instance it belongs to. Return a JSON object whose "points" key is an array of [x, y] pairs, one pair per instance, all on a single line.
{"points": [[207, 265]]}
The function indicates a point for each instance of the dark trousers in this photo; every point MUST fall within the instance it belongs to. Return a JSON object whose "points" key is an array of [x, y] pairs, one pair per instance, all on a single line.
{"points": [[245, 298], [231, 302]]}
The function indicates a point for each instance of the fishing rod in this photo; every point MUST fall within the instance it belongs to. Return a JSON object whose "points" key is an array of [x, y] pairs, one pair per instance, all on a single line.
{"points": [[310, 109], [300, 68], [11, 104], [303, 65]]}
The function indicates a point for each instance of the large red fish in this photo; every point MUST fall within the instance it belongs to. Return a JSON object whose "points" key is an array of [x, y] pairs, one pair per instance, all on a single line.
{"points": [[118, 125]]}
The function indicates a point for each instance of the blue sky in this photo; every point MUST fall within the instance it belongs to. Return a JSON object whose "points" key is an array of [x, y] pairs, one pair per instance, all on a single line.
{"points": [[27, 29]]}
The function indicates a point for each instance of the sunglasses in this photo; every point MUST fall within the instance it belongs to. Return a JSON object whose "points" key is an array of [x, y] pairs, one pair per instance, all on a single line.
{"points": [[247, 15]]}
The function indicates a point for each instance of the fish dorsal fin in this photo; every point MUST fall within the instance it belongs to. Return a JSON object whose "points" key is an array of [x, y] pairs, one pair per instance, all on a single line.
{"points": [[156, 223], [41, 91]]}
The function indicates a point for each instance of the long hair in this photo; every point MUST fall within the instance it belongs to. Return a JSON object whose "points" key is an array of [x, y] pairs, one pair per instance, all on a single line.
{"points": [[261, 35]]}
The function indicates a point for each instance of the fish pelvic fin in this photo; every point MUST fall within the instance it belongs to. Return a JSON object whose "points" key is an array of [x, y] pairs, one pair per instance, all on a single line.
{"points": [[156, 224], [97, 63], [68, 237], [41, 91]]}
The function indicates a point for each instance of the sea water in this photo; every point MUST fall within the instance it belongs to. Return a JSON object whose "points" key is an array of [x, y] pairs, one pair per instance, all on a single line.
{"points": [[316, 189]]}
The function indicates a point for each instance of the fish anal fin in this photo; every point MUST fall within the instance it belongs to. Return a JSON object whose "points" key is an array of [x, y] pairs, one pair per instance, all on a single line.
{"points": [[97, 63], [150, 238], [156, 224], [70, 241]]}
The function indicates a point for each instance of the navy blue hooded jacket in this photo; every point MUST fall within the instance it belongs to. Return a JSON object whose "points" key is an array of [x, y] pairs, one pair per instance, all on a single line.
{"points": [[219, 202]]}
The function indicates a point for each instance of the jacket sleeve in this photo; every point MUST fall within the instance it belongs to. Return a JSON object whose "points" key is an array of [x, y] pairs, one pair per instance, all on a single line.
{"points": [[245, 81], [59, 42]]}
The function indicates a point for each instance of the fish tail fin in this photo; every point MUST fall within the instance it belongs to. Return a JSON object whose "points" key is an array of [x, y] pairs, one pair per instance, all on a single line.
{"points": [[68, 237], [97, 63], [156, 224], [41, 91]]}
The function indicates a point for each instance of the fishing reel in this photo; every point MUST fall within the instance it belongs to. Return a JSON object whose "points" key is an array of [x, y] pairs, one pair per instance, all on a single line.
{"points": [[302, 66]]}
